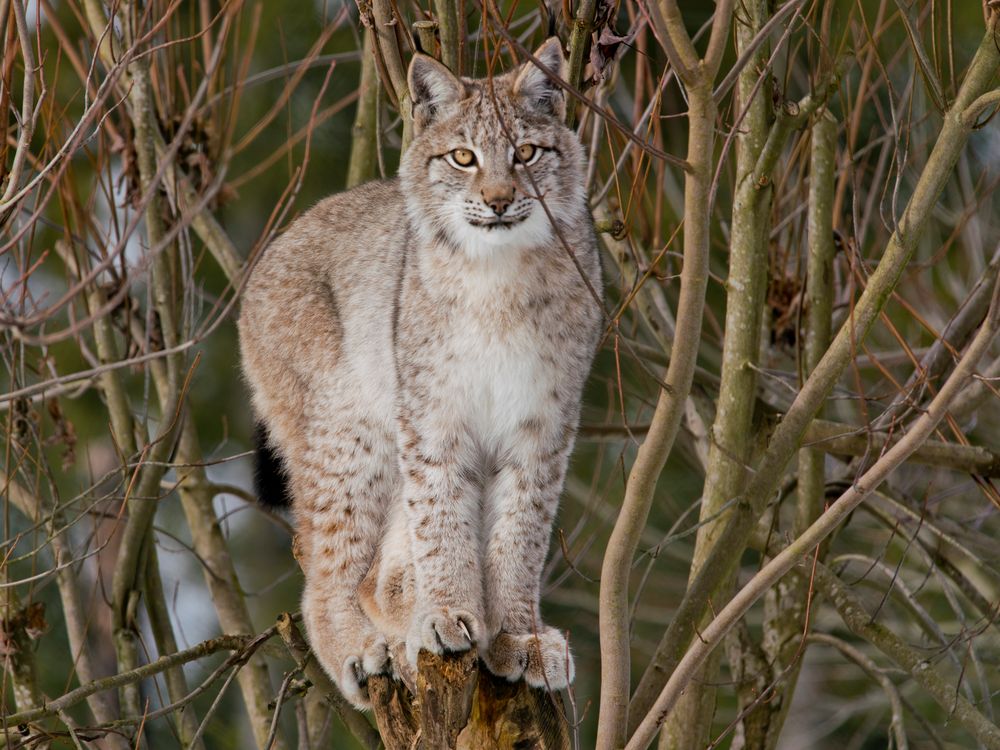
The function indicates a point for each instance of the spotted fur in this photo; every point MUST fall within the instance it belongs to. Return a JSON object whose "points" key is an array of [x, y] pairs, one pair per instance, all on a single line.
{"points": [[417, 350]]}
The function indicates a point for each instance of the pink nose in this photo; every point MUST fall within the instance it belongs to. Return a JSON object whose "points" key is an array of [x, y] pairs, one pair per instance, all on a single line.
{"points": [[498, 202], [499, 205]]}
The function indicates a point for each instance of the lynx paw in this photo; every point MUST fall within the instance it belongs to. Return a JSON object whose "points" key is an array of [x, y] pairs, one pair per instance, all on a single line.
{"points": [[542, 659], [442, 629], [357, 668]]}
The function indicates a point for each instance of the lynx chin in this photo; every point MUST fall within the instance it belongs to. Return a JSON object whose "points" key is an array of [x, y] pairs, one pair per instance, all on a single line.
{"points": [[416, 350]]}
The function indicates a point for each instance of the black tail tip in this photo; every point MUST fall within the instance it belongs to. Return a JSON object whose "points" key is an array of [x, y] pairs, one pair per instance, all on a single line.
{"points": [[269, 478]]}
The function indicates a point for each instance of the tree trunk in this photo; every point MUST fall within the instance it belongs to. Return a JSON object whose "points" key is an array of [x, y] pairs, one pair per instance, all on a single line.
{"points": [[460, 706]]}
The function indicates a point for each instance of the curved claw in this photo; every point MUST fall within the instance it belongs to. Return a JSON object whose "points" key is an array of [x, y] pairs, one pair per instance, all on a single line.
{"points": [[464, 628]]}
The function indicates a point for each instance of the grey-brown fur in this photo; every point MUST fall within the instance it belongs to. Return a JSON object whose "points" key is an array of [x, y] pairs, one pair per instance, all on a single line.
{"points": [[420, 373]]}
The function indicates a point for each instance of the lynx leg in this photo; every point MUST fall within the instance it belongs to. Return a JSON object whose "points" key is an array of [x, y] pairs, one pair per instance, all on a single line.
{"points": [[521, 504], [442, 508], [388, 591], [342, 490]]}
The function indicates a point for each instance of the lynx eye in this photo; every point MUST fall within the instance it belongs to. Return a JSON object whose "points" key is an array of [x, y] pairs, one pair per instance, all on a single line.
{"points": [[528, 153], [462, 157]]}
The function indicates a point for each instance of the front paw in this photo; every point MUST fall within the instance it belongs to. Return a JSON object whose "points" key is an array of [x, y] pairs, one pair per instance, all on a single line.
{"points": [[443, 629], [542, 659], [356, 668]]}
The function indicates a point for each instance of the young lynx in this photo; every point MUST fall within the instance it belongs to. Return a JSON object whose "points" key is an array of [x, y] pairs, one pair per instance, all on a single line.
{"points": [[417, 349]]}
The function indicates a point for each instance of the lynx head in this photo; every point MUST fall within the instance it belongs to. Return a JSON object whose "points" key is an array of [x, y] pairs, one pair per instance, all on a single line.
{"points": [[485, 150]]}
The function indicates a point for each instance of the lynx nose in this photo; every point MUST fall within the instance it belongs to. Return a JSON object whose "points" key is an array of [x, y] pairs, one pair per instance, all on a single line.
{"points": [[498, 199]]}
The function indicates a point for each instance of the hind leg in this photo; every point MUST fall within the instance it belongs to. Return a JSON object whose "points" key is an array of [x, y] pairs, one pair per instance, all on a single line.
{"points": [[323, 419], [342, 487], [388, 593]]}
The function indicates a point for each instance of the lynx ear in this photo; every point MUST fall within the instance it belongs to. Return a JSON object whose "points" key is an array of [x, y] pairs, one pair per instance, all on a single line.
{"points": [[432, 88], [537, 88]]}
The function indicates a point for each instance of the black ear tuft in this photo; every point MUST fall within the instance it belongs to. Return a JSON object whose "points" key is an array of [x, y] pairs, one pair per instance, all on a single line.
{"points": [[269, 478], [432, 88], [540, 89]]}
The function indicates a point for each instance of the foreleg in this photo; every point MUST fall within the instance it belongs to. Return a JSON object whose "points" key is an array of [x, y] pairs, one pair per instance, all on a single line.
{"points": [[521, 503]]}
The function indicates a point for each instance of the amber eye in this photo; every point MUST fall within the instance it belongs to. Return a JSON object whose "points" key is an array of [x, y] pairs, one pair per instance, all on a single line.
{"points": [[527, 152], [463, 157]]}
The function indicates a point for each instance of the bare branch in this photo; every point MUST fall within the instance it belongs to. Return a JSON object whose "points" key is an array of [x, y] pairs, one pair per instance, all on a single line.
{"points": [[790, 556]]}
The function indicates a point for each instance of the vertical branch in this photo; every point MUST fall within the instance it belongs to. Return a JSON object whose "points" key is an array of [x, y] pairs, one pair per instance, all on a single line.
{"points": [[70, 597], [364, 140], [451, 33], [102, 30], [220, 577], [163, 633], [673, 37], [837, 513], [579, 36], [746, 288], [126, 583], [387, 28], [785, 606], [26, 121], [426, 32], [653, 453], [123, 427], [132, 555], [787, 437], [819, 299], [116, 399], [196, 498]]}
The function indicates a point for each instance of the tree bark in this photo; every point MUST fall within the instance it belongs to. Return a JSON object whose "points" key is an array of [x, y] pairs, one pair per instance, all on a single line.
{"points": [[461, 706]]}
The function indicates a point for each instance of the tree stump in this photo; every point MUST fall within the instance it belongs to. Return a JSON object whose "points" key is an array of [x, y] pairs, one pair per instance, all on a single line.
{"points": [[459, 705]]}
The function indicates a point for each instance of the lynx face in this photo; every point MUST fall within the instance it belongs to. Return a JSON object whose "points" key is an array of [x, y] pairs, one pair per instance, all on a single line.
{"points": [[485, 151]]}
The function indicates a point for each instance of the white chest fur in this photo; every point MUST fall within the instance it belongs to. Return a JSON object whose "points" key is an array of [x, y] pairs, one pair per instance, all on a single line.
{"points": [[501, 381], [500, 370]]}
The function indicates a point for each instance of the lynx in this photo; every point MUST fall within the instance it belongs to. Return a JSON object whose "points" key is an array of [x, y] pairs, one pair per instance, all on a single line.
{"points": [[416, 350]]}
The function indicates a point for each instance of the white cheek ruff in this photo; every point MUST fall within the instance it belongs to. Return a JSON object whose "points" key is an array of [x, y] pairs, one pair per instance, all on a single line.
{"points": [[479, 241]]}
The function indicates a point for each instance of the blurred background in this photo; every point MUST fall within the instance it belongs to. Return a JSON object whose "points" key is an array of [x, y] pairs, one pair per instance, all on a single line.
{"points": [[162, 144]]}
